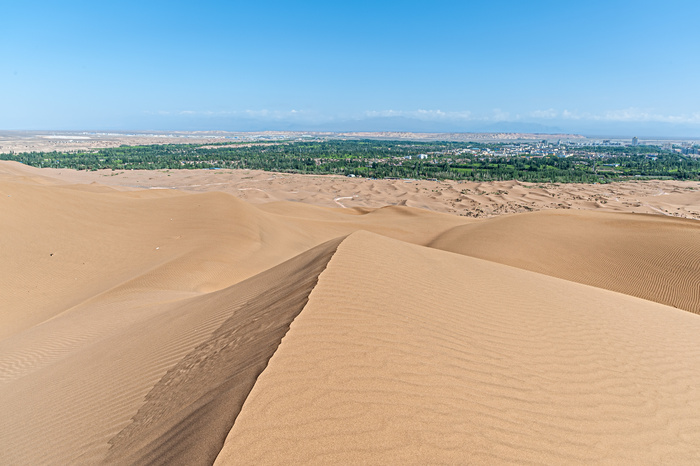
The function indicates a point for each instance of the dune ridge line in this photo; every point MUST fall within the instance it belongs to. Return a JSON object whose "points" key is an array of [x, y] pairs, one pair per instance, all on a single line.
{"points": [[448, 359], [188, 414]]}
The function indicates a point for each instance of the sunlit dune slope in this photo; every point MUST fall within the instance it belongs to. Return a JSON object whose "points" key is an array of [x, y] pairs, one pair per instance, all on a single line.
{"points": [[163, 386], [64, 245], [652, 257], [409, 355]]}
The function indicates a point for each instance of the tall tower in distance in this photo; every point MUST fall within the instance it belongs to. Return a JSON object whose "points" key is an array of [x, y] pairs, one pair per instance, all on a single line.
{"points": [[635, 141]]}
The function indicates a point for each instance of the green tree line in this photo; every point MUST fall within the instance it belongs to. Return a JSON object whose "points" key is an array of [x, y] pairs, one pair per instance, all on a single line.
{"points": [[385, 159]]}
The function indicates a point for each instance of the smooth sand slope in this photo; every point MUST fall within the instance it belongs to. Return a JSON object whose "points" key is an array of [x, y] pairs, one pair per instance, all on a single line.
{"points": [[649, 256], [144, 327], [443, 358]]}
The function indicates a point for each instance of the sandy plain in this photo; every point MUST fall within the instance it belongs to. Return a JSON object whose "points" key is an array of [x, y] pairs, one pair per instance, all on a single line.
{"points": [[472, 199], [261, 318]]}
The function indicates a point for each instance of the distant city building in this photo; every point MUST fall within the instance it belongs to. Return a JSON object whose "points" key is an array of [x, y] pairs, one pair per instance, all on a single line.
{"points": [[635, 141], [422, 156]]}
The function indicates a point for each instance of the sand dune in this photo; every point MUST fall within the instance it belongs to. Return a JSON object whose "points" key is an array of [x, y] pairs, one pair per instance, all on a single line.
{"points": [[185, 367], [652, 257], [475, 363], [189, 412], [163, 326], [68, 245], [472, 199]]}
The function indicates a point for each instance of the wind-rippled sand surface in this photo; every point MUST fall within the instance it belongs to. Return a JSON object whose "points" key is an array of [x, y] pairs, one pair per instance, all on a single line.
{"points": [[142, 326]]}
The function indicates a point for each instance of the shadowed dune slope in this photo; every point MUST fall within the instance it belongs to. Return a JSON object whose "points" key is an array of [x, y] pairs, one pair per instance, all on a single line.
{"points": [[409, 355], [189, 412], [166, 387], [651, 257]]}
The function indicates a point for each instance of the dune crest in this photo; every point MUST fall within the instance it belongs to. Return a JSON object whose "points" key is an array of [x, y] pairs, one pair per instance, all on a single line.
{"points": [[449, 359], [189, 412]]}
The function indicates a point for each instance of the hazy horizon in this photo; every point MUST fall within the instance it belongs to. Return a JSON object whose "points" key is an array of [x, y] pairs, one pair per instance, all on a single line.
{"points": [[359, 127]]}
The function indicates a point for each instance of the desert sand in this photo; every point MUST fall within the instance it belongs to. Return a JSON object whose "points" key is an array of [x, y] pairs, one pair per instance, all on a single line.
{"points": [[259, 318], [470, 199]]}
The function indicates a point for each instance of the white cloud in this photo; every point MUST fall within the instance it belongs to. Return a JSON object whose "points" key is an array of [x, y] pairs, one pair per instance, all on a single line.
{"points": [[545, 114], [499, 115], [627, 115], [635, 114], [261, 114], [631, 115], [420, 114]]}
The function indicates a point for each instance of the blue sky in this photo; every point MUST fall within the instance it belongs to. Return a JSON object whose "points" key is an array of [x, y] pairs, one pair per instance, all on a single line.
{"points": [[596, 67]]}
